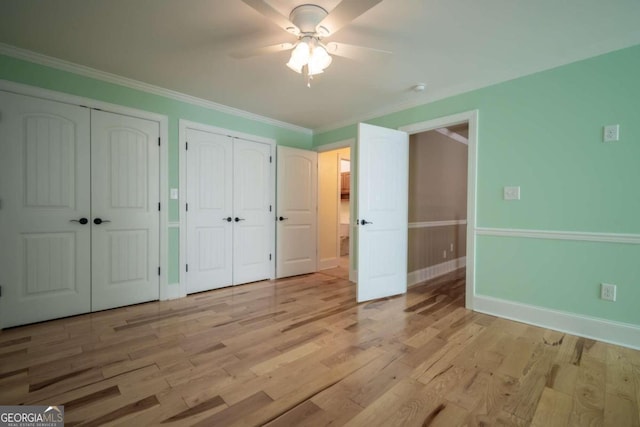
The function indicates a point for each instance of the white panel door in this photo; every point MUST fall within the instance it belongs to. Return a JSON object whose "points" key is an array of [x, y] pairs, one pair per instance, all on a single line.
{"points": [[125, 210], [253, 220], [209, 217], [44, 187], [296, 211], [383, 164]]}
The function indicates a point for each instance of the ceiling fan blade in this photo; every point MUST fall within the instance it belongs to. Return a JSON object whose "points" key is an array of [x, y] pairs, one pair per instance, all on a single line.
{"points": [[280, 20], [345, 12], [354, 52], [247, 53]]}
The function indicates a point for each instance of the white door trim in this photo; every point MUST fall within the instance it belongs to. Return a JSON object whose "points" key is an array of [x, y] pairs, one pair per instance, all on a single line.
{"points": [[472, 177], [351, 143], [183, 125], [166, 291]]}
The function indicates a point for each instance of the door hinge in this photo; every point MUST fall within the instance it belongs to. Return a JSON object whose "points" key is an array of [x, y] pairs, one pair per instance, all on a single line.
{"points": [[186, 268], [158, 205], [269, 257], [0, 291], [269, 208], [158, 271], [270, 159], [158, 141], [186, 207], [186, 145]]}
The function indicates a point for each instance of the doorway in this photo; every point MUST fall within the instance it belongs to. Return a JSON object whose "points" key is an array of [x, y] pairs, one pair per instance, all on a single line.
{"points": [[466, 124], [345, 214], [437, 202], [335, 210]]}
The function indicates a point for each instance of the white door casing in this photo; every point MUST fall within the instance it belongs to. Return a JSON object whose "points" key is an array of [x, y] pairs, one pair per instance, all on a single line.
{"points": [[383, 163], [252, 211], [210, 210], [296, 213], [125, 196], [44, 185]]}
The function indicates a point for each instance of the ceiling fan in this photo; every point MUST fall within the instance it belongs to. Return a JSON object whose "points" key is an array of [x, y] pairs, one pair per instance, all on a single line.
{"points": [[311, 24]]}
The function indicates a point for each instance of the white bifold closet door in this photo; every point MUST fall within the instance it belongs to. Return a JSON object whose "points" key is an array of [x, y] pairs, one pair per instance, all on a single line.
{"points": [[229, 224], [44, 187], [253, 221], [79, 220], [125, 219], [210, 210]]}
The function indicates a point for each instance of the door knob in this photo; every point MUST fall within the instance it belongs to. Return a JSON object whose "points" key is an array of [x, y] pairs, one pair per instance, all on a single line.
{"points": [[228, 219], [238, 219], [365, 222], [99, 221], [282, 218], [82, 221]]}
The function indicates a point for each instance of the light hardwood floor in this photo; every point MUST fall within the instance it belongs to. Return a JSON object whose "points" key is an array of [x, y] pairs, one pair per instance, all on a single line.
{"points": [[300, 351]]}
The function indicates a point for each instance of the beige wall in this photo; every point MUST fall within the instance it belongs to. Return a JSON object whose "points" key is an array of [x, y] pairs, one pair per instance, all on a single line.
{"points": [[432, 245], [437, 192], [328, 209]]}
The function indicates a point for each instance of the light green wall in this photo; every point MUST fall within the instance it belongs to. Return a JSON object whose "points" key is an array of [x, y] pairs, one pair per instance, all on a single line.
{"points": [[543, 132], [45, 77]]}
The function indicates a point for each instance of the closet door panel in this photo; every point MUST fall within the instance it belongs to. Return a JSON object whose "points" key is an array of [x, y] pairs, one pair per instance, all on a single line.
{"points": [[125, 212], [44, 190], [209, 195], [253, 222]]}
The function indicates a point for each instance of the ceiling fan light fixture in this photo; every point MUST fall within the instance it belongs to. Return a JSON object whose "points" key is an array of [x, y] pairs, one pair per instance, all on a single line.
{"points": [[295, 67], [311, 53], [319, 60], [299, 56]]}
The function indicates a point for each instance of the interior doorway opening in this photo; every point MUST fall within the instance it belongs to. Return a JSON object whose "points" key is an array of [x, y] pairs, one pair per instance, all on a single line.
{"points": [[335, 217], [437, 214], [345, 214], [445, 125]]}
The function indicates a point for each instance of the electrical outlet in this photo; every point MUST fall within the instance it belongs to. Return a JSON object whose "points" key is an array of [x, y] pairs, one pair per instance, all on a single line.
{"points": [[444, 254], [608, 292], [611, 133], [451, 247]]}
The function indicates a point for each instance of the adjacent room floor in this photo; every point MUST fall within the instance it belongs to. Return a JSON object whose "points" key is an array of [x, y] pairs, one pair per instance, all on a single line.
{"points": [[300, 351]]}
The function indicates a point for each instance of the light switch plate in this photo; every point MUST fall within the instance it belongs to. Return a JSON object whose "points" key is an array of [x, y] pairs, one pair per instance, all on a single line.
{"points": [[611, 133], [512, 193], [173, 194]]}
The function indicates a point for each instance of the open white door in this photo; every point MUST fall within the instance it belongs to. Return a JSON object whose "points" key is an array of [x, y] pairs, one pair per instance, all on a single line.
{"points": [[296, 213], [383, 165]]}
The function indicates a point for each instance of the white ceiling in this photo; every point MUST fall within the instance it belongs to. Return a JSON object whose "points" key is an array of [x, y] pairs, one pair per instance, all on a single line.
{"points": [[451, 45]]}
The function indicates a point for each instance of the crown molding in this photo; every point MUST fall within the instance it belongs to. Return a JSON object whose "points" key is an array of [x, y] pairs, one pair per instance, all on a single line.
{"points": [[402, 106], [60, 64], [577, 55]]}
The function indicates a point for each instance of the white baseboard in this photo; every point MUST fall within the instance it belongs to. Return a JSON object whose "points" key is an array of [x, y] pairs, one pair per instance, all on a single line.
{"points": [[173, 291], [608, 331], [419, 276], [327, 263]]}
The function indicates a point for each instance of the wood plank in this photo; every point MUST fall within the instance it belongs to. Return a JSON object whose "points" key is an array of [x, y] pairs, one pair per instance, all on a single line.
{"points": [[553, 410], [300, 351]]}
